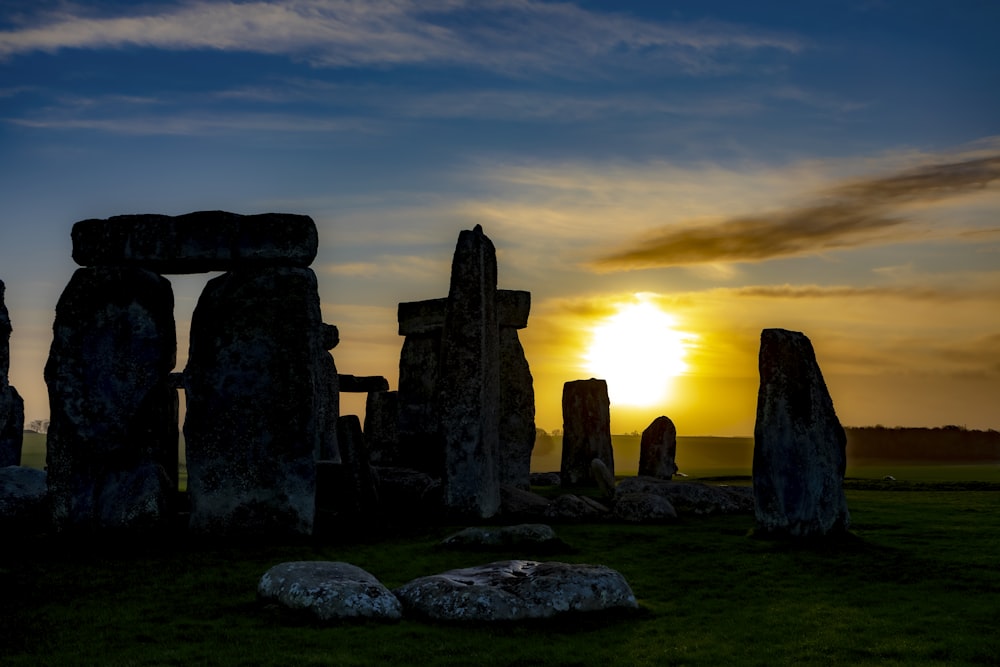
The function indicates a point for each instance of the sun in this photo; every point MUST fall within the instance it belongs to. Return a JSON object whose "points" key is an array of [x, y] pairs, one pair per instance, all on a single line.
{"points": [[638, 352]]}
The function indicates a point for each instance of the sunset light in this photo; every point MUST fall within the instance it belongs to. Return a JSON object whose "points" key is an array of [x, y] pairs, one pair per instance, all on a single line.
{"points": [[638, 352]]}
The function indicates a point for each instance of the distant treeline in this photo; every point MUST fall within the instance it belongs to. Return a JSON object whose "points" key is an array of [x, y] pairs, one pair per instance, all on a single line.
{"points": [[944, 444]]}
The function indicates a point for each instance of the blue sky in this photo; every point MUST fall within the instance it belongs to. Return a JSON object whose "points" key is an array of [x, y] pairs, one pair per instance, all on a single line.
{"points": [[831, 167]]}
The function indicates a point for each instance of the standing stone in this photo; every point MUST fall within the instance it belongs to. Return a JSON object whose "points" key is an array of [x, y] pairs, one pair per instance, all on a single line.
{"points": [[420, 445], [11, 404], [586, 430], [799, 445], [356, 498], [112, 439], [257, 380], [469, 380], [517, 412], [658, 449], [382, 428]]}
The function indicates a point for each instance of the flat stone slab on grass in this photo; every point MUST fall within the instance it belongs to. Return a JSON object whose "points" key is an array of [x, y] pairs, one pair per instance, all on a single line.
{"points": [[537, 536], [330, 591], [516, 590]]}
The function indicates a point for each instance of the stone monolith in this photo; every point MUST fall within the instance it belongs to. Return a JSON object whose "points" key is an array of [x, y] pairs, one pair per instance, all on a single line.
{"points": [[112, 438], [257, 383], [468, 387], [799, 445], [658, 449], [11, 404], [586, 430]]}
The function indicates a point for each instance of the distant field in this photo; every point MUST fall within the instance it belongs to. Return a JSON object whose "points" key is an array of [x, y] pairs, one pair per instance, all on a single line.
{"points": [[697, 456]]}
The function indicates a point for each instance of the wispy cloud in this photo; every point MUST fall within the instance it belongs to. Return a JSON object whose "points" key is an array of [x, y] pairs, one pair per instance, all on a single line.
{"points": [[512, 36], [856, 213]]}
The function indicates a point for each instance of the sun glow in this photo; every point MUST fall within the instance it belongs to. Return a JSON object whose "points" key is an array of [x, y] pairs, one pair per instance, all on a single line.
{"points": [[638, 352]]}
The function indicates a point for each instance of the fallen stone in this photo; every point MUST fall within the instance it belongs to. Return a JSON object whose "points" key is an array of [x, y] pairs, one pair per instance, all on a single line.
{"points": [[196, 242], [658, 449], [693, 498], [517, 503], [573, 508], [516, 590], [644, 508], [329, 591], [799, 444], [536, 537], [408, 494], [545, 479], [23, 499]]}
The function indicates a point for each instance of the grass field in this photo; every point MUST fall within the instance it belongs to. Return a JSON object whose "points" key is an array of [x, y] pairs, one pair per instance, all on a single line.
{"points": [[919, 584]]}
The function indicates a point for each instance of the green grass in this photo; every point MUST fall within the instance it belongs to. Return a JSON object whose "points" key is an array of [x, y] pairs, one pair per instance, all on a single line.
{"points": [[918, 584]]}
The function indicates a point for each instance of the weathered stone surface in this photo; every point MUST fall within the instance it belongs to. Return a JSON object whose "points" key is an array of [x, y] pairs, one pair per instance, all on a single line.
{"points": [[545, 479], [420, 445], [382, 428], [658, 449], [257, 378], [516, 590], [572, 508], [356, 496], [363, 384], [196, 242], [408, 494], [644, 508], [517, 411], [519, 504], [329, 591], [586, 430], [23, 499], [799, 445], [691, 498], [468, 388], [11, 403], [424, 317], [605, 478], [113, 414], [537, 537]]}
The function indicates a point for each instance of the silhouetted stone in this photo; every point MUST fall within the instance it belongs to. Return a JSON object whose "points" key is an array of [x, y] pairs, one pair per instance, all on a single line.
{"points": [[604, 478], [799, 444], [11, 403], [354, 384], [516, 590], [586, 430], [469, 381], [420, 444], [545, 479], [357, 497], [517, 411], [658, 449], [196, 242], [258, 376], [329, 591], [691, 498], [644, 508], [382, 428], [407, 494], [112, 438], [521, 505], [23, 499]]}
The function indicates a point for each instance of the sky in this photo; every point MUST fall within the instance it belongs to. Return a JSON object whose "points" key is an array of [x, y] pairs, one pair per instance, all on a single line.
{"points": [[666, 178]]}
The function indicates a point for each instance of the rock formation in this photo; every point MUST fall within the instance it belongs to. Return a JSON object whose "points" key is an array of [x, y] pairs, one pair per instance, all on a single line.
{"points": [[255, 385], [516, 590], [112, 438], [262, 390], [586, 430], [658, 449], [799, 445], [465, 399], [11, 404]]}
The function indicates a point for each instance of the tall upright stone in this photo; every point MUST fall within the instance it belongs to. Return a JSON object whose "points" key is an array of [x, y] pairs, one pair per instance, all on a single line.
{"points": [[11, 404], [469, 381], [586, 430], [382, 428], [517, 412], [420, 444], [257, 384], [658, 449], [799, 445], [112, 439]]}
